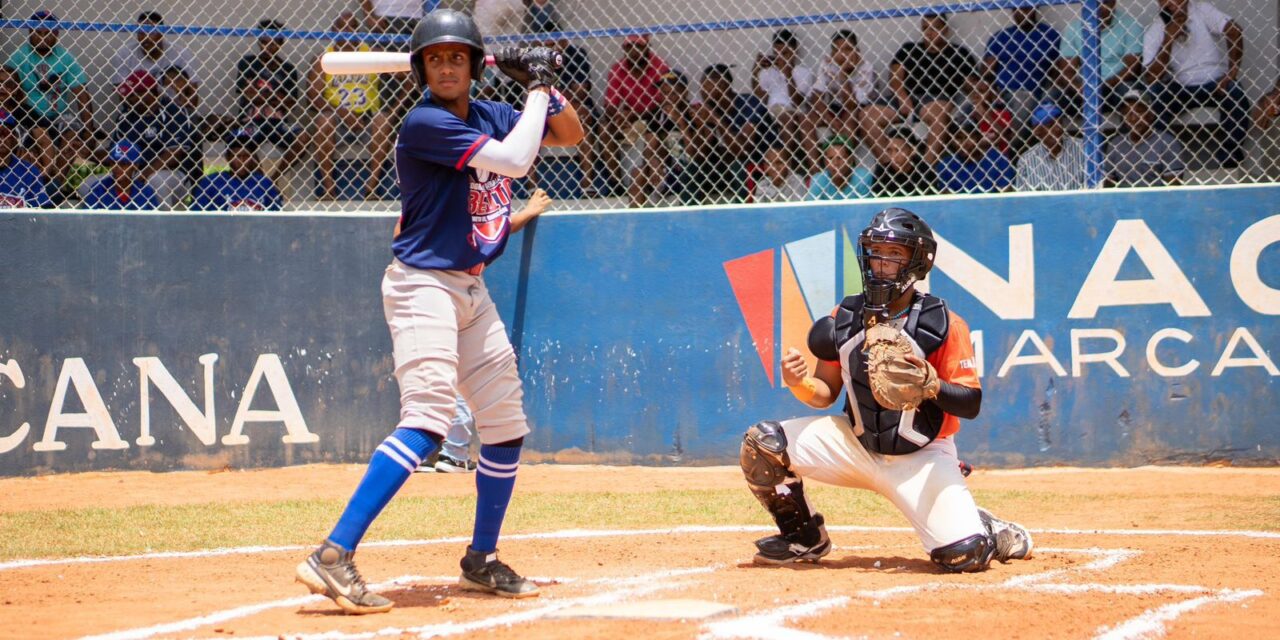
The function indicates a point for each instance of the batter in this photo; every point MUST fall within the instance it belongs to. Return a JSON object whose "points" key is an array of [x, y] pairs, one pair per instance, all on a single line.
{"points": [[455, 158]]}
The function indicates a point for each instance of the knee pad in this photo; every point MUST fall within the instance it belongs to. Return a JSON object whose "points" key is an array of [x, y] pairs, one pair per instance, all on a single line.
{"points": [[764, 455], [969, 555]]}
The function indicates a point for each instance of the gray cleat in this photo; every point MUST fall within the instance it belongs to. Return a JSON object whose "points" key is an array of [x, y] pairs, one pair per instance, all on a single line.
{"points": [[1013, 541], [485, 572], [330, 572]]}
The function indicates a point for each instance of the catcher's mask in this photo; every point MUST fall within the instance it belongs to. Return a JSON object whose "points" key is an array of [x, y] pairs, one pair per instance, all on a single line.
{"points": [[900, 227], [441, 26]]}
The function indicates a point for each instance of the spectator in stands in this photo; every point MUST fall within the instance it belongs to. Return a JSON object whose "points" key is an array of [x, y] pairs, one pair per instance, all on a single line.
{"points": [[123, 188], [841, 177], [649, 179], [973, 165], [784, 84], [161, 131], [1140, 155], [499, 17], [1020, 58], [722, 134], [34, 133], [1264, 149], [1056, 162], [243, 186], [631, 95], [347, 107], [84, 164], [176, 83], [845, 95], [985, 109], [52, 80], [1188, 66], [268, 88], [927, 78], [575, 80], [541, 16], [778, 181], [901, 169], [22, 185], [1120, 52], [153, 54]]}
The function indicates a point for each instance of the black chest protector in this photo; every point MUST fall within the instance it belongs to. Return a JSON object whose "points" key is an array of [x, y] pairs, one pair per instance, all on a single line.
{"points": [[882, 430]]}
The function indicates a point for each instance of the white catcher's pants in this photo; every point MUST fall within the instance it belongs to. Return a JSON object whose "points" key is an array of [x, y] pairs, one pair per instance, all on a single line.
{"points": [[926, 486], [449, 340]]}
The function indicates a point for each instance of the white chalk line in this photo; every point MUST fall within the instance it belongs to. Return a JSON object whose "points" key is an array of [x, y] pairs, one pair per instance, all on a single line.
{"points": [[770, 625], [240, 612], [1151, 623], [587, 533], [625, 588]]}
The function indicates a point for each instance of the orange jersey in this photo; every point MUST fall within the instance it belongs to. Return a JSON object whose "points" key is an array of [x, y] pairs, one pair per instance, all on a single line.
{"points": [[955, 363]]}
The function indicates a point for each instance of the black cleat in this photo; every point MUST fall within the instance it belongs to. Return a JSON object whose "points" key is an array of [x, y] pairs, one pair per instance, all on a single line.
{"points": [[330, 572], [795, 547], [485, 572]]}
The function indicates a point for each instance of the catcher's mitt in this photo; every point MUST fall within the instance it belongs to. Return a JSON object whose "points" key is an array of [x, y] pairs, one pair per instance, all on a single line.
{"points": [[899, 379]]}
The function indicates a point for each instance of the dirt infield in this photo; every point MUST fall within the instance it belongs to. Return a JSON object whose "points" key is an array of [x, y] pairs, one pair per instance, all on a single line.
{"points": [[1137, 554]]}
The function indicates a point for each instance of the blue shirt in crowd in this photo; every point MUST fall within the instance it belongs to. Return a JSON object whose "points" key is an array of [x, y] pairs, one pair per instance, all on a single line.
{"points": [[223, 191], [22, 186], [138, 197], [1023, 58], [993, 172]]}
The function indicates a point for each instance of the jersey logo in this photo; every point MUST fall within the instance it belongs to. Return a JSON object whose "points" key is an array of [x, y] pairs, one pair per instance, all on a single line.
{"points": [[12, 201], [968, 363], [489, 203]]}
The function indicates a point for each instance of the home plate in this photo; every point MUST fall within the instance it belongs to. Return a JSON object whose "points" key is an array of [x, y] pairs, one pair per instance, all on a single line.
{"points": [[649, 610]]}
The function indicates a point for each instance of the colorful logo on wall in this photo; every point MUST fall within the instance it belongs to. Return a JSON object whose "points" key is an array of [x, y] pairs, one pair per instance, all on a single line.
{"points": [[781, 292]]}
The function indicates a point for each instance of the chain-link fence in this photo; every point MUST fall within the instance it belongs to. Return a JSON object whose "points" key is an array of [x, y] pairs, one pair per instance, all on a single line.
{"points": [[220, 106]]}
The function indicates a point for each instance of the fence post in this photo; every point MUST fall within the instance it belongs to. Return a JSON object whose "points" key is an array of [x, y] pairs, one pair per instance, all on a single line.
{"points": [[1091, 76]]}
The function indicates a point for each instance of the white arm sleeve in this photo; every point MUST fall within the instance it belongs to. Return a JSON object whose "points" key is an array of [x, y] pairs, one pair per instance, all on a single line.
{"points": [[514, 155]]}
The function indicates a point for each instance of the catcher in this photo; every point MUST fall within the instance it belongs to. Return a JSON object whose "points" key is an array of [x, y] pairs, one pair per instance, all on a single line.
{"points": [[908, 364]]}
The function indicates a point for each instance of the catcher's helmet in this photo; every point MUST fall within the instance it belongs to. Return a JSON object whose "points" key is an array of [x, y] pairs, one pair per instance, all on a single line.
{"points": [[897, 226], [441, 26]]}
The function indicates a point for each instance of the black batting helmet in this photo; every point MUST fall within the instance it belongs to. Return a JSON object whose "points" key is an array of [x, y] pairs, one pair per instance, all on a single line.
{"points": [[441, 26], [896, 226]]}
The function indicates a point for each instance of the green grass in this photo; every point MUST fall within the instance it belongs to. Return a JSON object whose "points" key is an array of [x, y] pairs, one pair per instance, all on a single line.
{"points": [[74, 532]]}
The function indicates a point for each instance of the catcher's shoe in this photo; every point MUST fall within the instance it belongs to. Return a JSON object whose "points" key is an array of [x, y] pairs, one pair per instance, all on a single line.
{"points": [[1013, 541], [485, 572], [806, 545], [330, 572]]}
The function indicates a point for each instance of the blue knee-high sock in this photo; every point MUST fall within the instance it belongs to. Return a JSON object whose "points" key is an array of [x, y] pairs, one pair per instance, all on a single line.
{"points": [[495, 478], [392, 463]]}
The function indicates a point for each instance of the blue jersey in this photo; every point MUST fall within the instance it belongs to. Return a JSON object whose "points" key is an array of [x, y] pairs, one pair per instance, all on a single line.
{"points": [[451, 216], [22, 186], [223, 191], [104, 195]]}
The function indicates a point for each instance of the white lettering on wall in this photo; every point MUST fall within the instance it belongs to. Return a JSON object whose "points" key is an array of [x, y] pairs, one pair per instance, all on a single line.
{"points": [[287, 411], [13, 372], [1159, 367], [1259, 358], [1012, 299], [152, 371], [1043, 355], [1111, 358], [95, 414], [1167, 284], [1244, 266]]}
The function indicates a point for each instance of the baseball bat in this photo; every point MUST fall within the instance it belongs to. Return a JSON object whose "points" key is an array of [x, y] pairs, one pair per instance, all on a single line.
{"points": [[340, 63]]}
